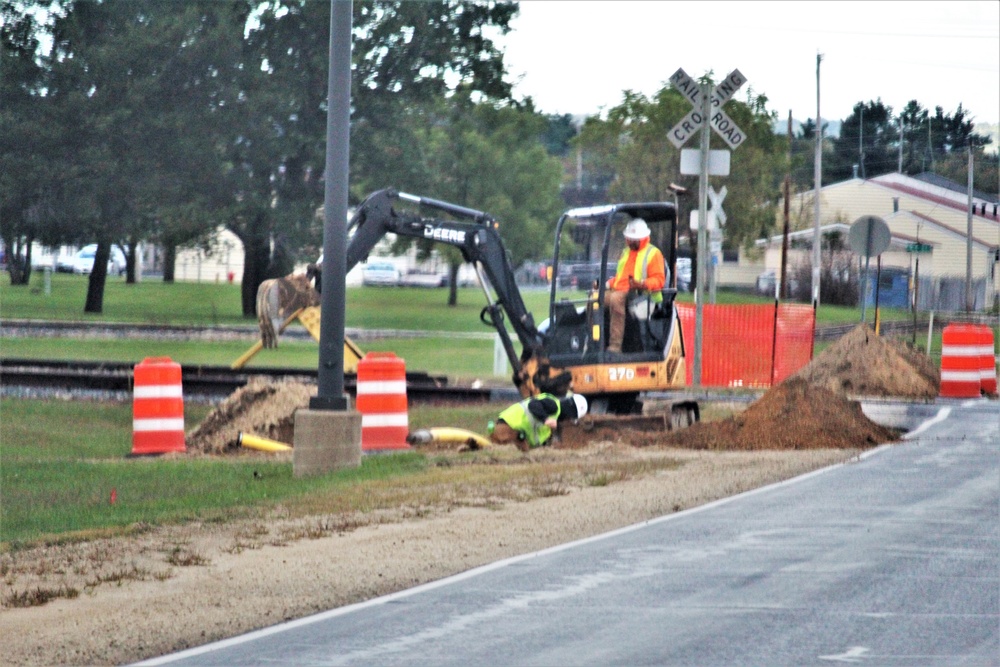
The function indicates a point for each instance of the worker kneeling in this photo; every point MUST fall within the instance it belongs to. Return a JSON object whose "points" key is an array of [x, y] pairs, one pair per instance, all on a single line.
{"points": [[530, 423]]}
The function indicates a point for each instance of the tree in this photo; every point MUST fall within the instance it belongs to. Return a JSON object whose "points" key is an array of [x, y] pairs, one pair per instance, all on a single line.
{"points": [[490, 156], [878, 142], [631, 144], [25, 139], [405, 54], [869, 138], [559, 134]]}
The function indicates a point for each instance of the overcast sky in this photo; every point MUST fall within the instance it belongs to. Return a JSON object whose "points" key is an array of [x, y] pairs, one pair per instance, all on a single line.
{"points": [[577, 57]]}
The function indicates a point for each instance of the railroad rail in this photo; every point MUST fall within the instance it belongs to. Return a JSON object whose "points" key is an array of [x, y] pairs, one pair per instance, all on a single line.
{"points": [[209, 383]]}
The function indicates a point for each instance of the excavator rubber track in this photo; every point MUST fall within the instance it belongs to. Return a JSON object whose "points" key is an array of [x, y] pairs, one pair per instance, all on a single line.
{"points": [[661, 417]]}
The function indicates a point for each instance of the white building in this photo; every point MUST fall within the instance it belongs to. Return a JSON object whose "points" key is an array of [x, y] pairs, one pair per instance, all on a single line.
{"points": [[916, 212]]}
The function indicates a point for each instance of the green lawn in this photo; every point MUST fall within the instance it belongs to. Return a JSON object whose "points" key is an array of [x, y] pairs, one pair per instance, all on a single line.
{"points": [[57, 476], [61, 460], [209, 304]]}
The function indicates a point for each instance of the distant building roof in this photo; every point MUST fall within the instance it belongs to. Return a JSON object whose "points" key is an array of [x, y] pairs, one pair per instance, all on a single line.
{"points": [[942, 182]]}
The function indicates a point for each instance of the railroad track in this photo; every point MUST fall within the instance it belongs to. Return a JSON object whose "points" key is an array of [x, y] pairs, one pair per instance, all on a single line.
{"points": [[214, 383], [209, 383]]}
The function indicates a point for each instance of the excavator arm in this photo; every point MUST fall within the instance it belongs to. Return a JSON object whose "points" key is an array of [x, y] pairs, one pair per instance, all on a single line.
{"points": [[475, 234]]}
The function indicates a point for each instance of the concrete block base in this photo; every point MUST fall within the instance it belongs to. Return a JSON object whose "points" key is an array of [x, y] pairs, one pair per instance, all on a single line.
{"points": [[326, 440]]}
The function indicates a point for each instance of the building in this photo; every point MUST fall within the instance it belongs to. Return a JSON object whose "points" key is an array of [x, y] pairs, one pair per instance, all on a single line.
{"points": [[928, 223], [221, 261]]}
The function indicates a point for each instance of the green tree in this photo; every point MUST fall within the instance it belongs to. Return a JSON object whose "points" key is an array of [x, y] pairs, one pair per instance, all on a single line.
{"points": [[631, 145], [405, 55], [490, 157], [24, 175], [879, 142], [869, 138], [559, 134]]}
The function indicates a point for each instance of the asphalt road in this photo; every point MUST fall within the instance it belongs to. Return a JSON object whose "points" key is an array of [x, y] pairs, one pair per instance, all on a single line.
{"points": [[893, 559]]}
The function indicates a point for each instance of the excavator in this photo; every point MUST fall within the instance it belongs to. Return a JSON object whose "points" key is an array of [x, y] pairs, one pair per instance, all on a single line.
{"points": [[568, 350]]}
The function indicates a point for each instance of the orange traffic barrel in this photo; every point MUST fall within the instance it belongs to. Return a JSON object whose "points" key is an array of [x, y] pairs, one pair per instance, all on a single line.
{"points": [[960, 361], [381, 400], [157, 407], [987, 361]]}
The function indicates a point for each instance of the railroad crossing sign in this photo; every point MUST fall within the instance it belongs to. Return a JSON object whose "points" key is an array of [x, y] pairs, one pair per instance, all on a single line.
{"points": [[720, 122], [716, 199]]}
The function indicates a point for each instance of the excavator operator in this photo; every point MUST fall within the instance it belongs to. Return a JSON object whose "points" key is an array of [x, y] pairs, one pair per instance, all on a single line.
{"points": [[641, 269]]}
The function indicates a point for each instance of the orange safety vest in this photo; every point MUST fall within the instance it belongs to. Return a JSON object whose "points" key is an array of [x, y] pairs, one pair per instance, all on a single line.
{"points": [[639, 268]]}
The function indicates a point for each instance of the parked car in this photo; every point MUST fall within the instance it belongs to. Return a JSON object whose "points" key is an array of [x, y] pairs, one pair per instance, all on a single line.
{"points": [[766, 284], [83, 261], [421, 279], [380, 273]]}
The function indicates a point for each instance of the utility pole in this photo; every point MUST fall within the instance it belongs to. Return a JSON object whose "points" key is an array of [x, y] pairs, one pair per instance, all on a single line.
{"points": [[930, 145], [969, 302], [783, 285], [900, 168], [818, 183], [861, 141]]}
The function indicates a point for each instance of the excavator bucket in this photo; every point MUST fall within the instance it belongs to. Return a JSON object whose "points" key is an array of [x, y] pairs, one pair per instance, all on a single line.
{"points": [[310, 319]]}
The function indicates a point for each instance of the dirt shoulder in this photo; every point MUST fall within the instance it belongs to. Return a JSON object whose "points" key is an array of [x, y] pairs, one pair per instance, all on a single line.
{"points": [[198, 583]]}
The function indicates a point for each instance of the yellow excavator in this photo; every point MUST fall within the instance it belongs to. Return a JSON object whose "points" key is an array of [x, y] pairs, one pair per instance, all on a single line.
{"points": [[568, 350]]}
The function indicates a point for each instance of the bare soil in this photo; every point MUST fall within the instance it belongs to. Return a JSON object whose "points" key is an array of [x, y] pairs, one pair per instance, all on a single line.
{"points": [[168, 588]]}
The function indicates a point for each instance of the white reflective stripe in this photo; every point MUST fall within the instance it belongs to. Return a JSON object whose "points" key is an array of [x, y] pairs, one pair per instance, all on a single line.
{"points": [[960, 376], [960, 351], [986, 350], [382, 387], [159, 391], [158, 424], [397, 419]]}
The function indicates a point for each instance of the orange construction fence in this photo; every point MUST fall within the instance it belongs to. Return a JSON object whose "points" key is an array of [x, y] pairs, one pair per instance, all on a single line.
{"points": [[751, 345]]}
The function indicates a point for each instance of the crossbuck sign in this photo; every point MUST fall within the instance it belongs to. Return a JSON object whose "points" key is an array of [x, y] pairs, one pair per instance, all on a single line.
{"points": [[719, 121]]}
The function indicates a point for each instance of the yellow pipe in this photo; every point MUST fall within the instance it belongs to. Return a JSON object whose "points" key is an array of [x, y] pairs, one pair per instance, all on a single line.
{"points": [[262, 444], [447, 434]]}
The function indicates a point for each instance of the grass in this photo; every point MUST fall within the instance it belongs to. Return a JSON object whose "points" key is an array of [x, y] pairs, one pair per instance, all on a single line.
{"points": [[454, 357], [58, 480], [214, 304], [62, 460]]}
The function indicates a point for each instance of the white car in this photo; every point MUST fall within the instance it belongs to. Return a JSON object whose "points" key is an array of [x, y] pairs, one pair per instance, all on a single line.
{"points": [[83, 261], [380, 273]]}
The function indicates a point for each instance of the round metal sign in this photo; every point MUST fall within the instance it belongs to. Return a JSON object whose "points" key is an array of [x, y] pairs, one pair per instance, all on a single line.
{"points": [[869, 236]]}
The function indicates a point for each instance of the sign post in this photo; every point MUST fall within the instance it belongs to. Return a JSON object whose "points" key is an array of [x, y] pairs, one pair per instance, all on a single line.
{"points": [[706, 115], [869, 236]]}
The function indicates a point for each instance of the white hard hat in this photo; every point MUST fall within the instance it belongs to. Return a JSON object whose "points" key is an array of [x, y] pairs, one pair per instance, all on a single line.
{"points": [[636, 230], [581, 405]]}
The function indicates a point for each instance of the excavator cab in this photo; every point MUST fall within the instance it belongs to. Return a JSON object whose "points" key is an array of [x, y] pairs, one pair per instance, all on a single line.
{"points": [[588, 243]]}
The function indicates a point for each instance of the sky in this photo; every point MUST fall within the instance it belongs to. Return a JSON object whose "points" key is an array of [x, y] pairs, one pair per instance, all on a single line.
{"points": [[577, 57]]}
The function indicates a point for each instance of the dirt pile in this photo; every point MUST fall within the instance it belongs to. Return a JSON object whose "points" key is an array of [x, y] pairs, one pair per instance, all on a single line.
{"points": [[863, 364], [263, 407], [793, 415]]}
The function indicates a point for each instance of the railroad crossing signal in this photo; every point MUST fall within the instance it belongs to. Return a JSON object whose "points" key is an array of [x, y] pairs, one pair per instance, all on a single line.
{"points": [[716, 199], [719, 121]]}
